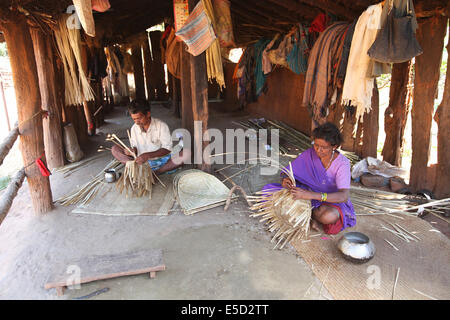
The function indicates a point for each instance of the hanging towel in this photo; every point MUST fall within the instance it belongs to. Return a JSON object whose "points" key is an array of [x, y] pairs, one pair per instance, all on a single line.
{"points": [[358, 87], [197, 32]]}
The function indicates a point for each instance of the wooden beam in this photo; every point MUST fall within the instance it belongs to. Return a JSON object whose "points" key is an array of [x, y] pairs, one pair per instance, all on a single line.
{"points": [[333, 7], [187, 118], [8, 143], [396, 114], [10, 193], [442, 117], [147, 68], [139, 84], [157, 74], [430, 35], [26, 86], [297, 7], [53, 137], [371, 126], [199, 86]]}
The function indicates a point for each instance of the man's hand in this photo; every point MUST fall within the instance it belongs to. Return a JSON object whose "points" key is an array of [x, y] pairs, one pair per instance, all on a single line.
{"points": [[129, 153], [141, 159], [287, 183], [301, 194]]}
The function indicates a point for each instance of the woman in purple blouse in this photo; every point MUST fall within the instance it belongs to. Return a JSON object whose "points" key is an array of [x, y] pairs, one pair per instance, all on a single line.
{"points": [[322, 175]]}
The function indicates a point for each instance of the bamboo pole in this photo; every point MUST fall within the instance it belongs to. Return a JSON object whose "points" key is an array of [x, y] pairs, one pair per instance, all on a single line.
{"points": [[11, 192], [8, 143]]}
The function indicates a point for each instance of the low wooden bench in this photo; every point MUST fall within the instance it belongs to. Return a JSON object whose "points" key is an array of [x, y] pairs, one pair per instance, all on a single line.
{"points": [[100, 267]]}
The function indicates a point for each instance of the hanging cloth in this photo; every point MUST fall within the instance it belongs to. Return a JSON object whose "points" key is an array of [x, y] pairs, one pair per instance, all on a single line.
{"points": [[173, 55], [319, 83], [223, 25], [358, 88], [100, 5], [197, 32], [84, 12]]}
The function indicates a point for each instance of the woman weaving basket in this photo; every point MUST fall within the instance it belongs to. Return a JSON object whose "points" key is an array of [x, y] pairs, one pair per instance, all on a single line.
{"points": [[322, 175]]}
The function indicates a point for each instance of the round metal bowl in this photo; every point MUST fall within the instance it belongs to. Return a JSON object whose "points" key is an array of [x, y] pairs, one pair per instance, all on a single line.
{"points": [[111, 175], [356, 247]]}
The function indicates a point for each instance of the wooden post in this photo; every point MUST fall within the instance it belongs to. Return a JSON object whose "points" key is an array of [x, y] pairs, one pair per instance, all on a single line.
{"points": [[158, 76], [442, 117], [53, 142], [176, 97], [396, 114], [199, 86], [348, 127], [26, 86], [187, 117], [430, 35], [371, 126], [136, 58], [147, 68]]}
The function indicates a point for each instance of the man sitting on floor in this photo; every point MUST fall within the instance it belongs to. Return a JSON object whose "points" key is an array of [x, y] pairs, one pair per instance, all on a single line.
{"points": [[151, 141]]}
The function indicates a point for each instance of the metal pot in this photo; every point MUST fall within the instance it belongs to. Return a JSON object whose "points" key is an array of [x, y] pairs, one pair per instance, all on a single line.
{"points": [[356, 247], [111, 175]]}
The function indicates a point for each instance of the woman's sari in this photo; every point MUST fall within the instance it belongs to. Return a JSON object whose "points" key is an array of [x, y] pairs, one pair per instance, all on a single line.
{"points": [[310, 174]]}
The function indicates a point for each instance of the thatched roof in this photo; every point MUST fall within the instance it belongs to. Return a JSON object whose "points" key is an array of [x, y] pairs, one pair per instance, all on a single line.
{"points": [[251, 18]]}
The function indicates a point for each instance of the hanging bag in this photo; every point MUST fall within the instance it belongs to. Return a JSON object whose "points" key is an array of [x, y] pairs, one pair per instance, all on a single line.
{"points": [[396, 42]]}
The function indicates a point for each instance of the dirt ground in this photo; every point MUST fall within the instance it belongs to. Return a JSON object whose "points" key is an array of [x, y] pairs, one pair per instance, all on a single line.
{"points": [[209, 255]]}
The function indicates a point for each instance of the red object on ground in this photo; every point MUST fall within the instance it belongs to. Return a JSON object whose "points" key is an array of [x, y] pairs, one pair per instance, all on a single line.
{"points": [[336, 227]]}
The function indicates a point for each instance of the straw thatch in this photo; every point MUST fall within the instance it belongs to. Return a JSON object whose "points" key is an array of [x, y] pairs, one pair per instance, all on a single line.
{"points": [[68, 43]]}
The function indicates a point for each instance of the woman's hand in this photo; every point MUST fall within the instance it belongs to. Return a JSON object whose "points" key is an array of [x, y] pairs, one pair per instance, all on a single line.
{"points": [[301, 194], [286, 183]]}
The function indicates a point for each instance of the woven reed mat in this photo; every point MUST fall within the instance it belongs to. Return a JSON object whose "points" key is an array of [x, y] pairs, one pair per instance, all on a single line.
{"points": [[110, 202], [196, 191], [424, 265]]}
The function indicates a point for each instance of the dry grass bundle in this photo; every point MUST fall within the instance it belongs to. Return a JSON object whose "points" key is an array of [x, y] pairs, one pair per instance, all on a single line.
{"points": [[290, 137], [68, 42], [89, 190], [287, 217], [137, 179]]}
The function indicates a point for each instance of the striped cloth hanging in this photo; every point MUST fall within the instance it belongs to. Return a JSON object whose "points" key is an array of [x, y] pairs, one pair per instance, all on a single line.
{"points": [[197, 32]]}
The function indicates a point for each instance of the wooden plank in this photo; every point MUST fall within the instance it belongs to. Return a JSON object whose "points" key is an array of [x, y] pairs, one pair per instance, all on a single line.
{"points": [[100, 267]]}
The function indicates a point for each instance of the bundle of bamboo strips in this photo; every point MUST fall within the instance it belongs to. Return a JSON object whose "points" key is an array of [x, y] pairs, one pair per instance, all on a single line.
{"points": [[291, 136], [68, 43], [137, 179], [368, 201], [89, 190], [287, 217]]}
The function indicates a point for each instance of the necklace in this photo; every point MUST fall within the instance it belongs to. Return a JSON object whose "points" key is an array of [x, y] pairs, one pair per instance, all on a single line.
{"points": [[329, 163]]}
